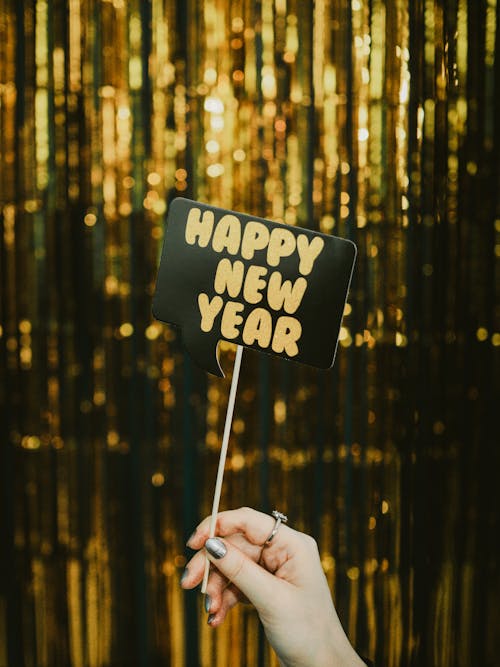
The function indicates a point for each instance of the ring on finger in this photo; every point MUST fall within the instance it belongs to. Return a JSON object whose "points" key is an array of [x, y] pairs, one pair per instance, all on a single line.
{"points": [[279, 519]]}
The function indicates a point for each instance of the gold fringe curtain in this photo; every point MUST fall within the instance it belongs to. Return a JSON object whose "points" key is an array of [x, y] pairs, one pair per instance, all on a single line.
{"points": [[376, 120]]}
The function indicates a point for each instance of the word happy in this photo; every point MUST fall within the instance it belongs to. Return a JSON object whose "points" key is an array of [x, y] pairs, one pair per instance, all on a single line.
{"points": [[253, 284]]}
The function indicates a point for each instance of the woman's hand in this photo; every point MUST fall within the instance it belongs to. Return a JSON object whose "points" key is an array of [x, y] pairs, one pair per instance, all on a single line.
{"points": [[283, 579]]}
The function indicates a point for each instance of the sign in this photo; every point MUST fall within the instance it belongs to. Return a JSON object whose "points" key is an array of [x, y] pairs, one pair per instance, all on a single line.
{"points": [[264, 285]]}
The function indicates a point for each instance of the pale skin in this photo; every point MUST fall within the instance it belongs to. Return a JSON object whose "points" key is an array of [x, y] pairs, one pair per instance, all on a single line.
{"points": [[284, 581]]}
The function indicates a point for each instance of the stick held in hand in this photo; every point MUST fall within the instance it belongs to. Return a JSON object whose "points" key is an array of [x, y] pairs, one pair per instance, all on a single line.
{"points": [[223, 453]]}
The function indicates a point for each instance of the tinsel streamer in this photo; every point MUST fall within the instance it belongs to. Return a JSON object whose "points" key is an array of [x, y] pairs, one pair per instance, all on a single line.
{"points": [[372, 120]]}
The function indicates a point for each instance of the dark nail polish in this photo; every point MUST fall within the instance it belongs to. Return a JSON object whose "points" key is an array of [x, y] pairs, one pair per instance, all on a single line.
{"points": [[184, 574], [208, 602], [210, 619], [215, 547]]}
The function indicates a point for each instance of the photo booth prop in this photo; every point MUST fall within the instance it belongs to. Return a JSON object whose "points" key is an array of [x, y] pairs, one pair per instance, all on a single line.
{"points": [[264, 285]]}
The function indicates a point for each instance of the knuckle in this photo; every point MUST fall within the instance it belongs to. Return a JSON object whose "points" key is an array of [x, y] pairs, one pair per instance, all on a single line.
{"points": [[311, 543], [236, 570]]}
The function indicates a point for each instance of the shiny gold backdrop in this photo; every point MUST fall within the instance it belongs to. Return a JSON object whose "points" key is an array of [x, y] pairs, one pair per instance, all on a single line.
{"points": [[375, 120]]}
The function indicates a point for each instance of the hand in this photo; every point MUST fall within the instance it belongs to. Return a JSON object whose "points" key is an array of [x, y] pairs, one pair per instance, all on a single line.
{"points": [[284, 580]]}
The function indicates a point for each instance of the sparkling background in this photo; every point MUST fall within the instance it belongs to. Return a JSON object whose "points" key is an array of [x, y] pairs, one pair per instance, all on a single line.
{"points": [[374, 120]]}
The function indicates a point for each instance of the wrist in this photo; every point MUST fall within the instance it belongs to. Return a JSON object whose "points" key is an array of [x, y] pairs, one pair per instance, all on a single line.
{"points": [[327, 657]]}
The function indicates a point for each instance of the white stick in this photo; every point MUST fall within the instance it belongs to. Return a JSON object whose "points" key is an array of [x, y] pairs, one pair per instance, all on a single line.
{"points": [[222, 458]]}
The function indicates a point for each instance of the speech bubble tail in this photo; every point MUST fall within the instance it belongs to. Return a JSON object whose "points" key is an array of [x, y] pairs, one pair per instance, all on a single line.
{"points": [[215, 368], [203, 351]]}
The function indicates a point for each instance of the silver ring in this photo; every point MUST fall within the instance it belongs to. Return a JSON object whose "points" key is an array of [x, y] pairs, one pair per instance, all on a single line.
{"points": [[280, 518]]}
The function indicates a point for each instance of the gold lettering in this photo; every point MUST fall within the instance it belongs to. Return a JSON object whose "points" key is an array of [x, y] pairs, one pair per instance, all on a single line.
{"points": [[282, 295], [258, 327], [308, 252], [287, 332], [199, 229], [208, 310], [230, 319], [254, 283], [281, 244], [255, 237], [229, 277], [227, 234]]}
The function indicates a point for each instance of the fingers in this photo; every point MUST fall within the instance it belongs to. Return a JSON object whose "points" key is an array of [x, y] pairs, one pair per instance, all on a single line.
{"points": [[220, 597], [261, 588], [193, 572], [217, 582], [216, 586], [302, 565], [235, 573], [255, 526], [218, 612]]}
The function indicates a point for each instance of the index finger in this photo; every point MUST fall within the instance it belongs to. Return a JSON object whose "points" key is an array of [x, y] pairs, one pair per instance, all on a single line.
{"points": [[255, 526]]}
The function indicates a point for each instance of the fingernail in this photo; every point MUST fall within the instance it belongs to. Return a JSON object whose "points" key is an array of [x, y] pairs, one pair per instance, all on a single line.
{"points": [[210, 618], [184, 574], [208, 602], [215, 547], [191, 537]]}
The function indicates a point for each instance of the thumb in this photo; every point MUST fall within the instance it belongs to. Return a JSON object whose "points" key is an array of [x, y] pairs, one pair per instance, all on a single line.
{"points": [[257, 584]]}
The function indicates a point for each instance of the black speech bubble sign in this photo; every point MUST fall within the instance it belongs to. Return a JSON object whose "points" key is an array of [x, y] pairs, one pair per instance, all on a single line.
{"points": [[272, 287]]}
